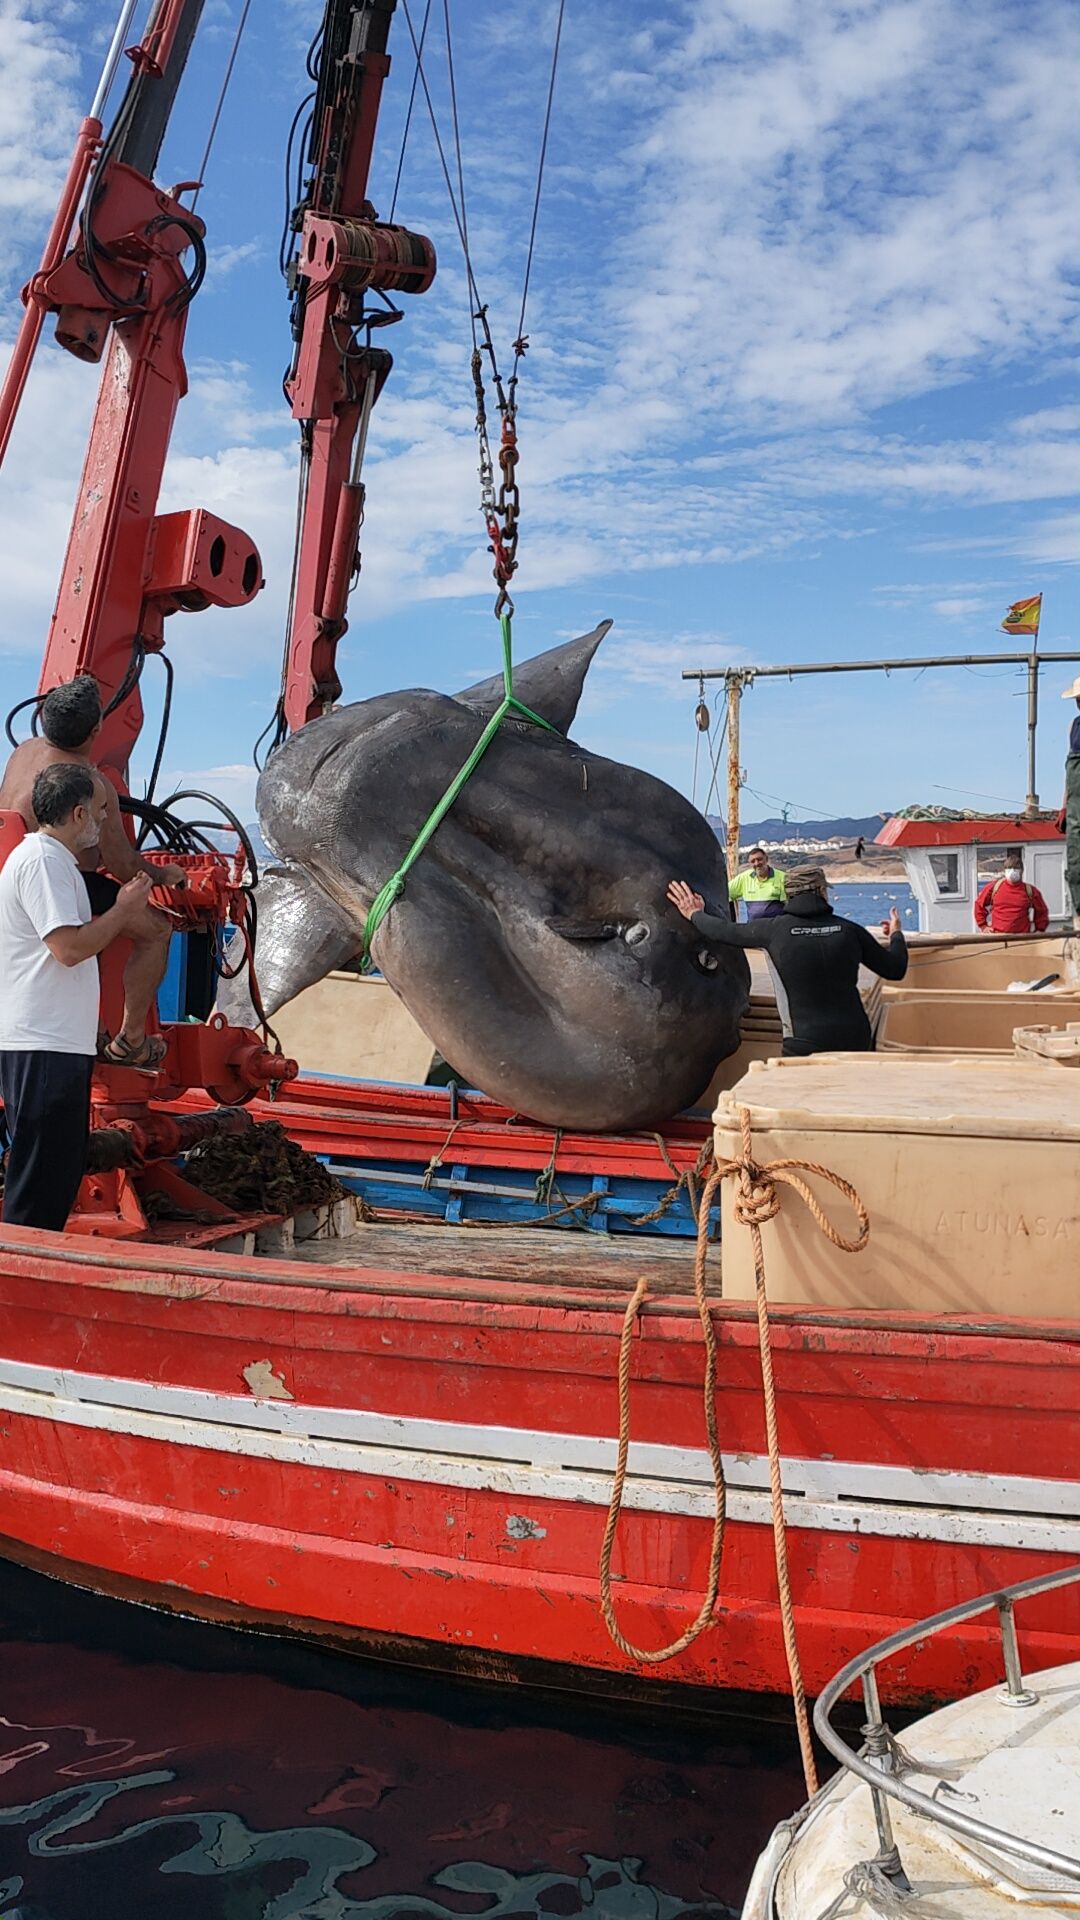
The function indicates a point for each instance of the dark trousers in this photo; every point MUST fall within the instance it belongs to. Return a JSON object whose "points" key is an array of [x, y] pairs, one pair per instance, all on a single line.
{"points": [[47, 1111]]}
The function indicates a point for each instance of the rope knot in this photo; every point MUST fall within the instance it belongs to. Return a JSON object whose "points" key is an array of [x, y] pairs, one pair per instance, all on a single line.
{"points": [[756, 1198]]}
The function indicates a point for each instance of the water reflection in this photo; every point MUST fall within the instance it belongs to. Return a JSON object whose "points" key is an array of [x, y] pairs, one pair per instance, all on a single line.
{"points": [[150, 1766]]}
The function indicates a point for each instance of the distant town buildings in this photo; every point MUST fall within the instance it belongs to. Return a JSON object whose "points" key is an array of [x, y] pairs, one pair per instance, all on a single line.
{"points": [[797, 845]]}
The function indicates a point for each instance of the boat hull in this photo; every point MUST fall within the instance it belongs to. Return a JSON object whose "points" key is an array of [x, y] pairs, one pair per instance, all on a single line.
{"points": [[420, 1463]]}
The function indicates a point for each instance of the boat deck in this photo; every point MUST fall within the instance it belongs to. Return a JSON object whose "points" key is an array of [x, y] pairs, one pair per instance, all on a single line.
{"points": [[600, 1262]]}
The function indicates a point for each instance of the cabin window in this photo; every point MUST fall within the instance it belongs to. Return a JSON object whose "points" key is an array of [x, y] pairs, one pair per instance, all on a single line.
{"points": [[945, 868]]}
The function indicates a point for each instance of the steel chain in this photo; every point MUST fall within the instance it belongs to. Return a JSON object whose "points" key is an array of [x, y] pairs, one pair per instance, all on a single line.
{"points": [[502, 508]]}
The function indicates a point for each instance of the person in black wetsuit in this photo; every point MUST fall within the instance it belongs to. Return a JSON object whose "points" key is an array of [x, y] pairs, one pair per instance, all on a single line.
{"points": [[817, 955]]}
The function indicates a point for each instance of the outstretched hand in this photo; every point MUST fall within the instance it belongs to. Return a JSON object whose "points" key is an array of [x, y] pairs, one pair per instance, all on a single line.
{"points": [[684, 897]]}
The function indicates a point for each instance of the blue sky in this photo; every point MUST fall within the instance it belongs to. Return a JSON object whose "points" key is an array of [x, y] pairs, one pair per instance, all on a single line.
{"points": [[802, 381]]}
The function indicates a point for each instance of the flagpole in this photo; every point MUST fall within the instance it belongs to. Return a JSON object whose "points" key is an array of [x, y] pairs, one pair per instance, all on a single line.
{"points": [[1032, 807], [1033, 718]]}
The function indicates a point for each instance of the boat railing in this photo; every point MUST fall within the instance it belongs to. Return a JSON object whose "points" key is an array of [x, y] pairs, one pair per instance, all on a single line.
{"points": [[882, 1763]]}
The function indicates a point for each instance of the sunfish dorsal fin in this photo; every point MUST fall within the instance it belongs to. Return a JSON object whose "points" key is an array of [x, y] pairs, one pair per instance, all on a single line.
{"points": [[550, 683]]}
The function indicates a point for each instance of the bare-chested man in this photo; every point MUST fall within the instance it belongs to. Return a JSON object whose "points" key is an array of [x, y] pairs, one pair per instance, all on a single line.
{"points": [[70, 722]]}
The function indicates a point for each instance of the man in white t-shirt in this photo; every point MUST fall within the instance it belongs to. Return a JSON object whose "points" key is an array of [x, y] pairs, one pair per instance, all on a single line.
{"points": [[49, 994]]}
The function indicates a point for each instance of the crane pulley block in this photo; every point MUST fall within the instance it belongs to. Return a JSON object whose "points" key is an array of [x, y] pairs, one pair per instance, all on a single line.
{"points": [[364, 256]]}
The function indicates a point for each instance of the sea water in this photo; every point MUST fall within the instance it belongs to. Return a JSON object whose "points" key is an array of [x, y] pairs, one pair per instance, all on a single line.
{"points": [[153, 1767], [869, 902]]}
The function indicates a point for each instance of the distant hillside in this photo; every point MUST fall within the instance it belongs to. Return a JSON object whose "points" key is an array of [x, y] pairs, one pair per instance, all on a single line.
{"points": [[846, 828]]}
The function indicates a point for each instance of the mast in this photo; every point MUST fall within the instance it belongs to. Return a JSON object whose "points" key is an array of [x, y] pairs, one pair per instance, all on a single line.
{"points": [[736, 678], [734, 775]]}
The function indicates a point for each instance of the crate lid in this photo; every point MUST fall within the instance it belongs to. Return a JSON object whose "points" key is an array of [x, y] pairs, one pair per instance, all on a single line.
{"points": [[888, 1093]]}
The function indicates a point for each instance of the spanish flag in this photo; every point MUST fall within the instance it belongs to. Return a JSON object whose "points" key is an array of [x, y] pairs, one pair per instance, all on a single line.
{"points": [[1023, 616]]}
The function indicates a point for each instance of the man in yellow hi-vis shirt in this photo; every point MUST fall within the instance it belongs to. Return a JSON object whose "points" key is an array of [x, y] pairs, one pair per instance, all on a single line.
{"points": [[760, 887]]}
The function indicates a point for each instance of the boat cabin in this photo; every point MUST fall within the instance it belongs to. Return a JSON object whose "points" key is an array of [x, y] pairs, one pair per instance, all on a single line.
{"points": [[945, 857]]}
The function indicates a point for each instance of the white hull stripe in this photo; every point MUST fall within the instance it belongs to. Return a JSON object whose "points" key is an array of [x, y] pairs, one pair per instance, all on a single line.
{"points": [[833, 1496]]}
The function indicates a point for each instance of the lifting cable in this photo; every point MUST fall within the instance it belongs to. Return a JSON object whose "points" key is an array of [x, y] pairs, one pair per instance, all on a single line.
{"points": [[229, 65], [408, 116], [713, 791], [501, 511]]}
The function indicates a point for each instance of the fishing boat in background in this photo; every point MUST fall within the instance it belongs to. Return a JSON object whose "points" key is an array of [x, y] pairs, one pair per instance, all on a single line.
{"points": [[395, 1395]]}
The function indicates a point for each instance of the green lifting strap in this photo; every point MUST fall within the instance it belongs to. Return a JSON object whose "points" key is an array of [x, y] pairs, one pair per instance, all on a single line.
{"points": [[395, 886]]}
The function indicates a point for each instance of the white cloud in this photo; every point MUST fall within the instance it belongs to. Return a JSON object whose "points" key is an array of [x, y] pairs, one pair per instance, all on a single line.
{"points": [[960, 608], [233, 783], [865, 220], [657, 660], [38, 114], [222, 261], [37, 492], [763, 223], [1056, 539]]}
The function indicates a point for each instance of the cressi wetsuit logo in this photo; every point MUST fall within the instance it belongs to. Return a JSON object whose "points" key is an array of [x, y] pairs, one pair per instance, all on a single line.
{"points": [[817, 930]]}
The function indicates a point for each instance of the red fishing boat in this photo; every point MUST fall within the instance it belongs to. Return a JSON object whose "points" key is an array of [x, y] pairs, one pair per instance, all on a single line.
{"points": [[402, 1433]]}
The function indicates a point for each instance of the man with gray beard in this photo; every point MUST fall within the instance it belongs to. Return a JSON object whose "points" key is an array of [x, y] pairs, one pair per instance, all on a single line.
{"points": [[49, 1005]]}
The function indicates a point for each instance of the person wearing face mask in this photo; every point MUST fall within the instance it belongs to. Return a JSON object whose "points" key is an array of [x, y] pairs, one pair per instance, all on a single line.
{"points": [[49, 1006], [1009, 904]]}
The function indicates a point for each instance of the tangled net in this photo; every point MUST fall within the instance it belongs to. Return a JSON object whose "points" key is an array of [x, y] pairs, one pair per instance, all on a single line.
{"points": [[261, 1171]]}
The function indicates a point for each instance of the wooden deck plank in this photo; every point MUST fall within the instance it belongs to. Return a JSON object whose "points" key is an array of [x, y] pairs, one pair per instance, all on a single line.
{"points": [[548, 1255]]}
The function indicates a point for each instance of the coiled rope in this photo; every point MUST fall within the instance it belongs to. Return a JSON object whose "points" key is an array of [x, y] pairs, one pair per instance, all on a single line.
{"points": [[756, 1202]]}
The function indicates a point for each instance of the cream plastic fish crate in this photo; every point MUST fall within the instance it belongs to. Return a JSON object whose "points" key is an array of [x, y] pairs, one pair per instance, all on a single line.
{"points": [[969, 1169], [1059, 1045], [948, 1021]]}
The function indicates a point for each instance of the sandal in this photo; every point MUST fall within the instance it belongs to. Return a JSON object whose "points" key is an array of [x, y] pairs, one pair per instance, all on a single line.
{"points": [[147, 1056]]}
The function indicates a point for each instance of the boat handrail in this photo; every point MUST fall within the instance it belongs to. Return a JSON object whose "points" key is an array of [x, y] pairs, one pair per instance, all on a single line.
{"points": [[880, 1765]]}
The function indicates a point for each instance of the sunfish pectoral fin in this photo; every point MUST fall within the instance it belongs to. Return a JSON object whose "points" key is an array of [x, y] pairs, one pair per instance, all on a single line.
{"points": [[581, 929], [302, 936]]}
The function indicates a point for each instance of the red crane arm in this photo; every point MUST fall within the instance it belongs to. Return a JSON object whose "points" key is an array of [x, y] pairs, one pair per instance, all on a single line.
{"points": [[343, 253], [122, 290]]}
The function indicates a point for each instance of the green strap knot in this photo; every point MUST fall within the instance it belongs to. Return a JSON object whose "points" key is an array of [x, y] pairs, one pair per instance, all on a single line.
{"points": [[395, 886]]}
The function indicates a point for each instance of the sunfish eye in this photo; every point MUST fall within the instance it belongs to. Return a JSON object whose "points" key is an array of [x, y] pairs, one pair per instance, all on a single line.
{"points": [[706, 960], [636, 934]]}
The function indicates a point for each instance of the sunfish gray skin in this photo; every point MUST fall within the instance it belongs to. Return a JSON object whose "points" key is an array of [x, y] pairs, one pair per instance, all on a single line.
{"points": [[533, 942]]}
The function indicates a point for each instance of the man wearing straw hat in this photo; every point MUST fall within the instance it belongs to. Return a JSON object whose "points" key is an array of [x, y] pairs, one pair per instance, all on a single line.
{"points": [[1069, 817], [817, 955]]}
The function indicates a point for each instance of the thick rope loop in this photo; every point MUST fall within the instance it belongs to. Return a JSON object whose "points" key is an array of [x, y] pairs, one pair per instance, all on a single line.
{"points": [[757, 1200], [647, 1655]]}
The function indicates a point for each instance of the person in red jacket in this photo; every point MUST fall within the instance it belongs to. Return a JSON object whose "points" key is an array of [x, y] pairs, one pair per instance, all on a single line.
{"points": [[1009, 904]]}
